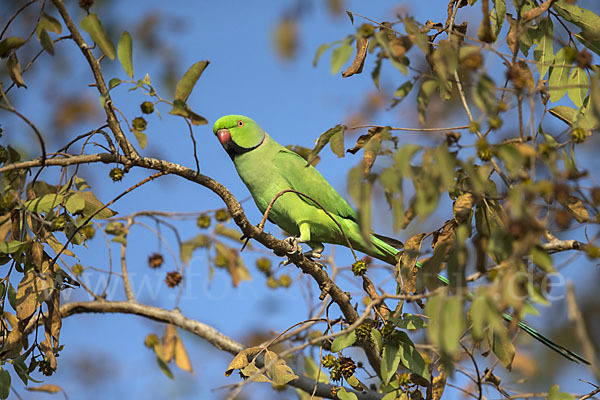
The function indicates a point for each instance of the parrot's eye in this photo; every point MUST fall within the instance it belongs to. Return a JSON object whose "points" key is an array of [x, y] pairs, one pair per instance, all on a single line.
{"points": [[240, 123]]}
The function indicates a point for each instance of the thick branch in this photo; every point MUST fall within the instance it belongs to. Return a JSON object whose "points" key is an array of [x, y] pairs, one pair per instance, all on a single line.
{"points": [[326, 284], [198, 328]]}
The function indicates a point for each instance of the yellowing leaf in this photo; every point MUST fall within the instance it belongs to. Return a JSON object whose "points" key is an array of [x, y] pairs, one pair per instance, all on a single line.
{"points": [[241, 359], [340, 55], [578, 83], [559, 73], [277, 369], [182, 359], [47, 388], [187, 83], [92, 25], [124, 53]]}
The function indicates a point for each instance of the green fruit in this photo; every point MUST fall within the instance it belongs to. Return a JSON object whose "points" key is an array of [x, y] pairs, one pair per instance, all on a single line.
{"points": [[139, 124], [147, 107]]}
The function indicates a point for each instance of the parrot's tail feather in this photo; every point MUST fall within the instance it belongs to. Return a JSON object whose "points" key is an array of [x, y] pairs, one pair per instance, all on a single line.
{"points": [[395, 243], [383, 251]]}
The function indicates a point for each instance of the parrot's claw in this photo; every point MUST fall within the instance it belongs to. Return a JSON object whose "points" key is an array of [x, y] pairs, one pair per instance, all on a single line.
{"points": [[295, 243], [313, 254]]}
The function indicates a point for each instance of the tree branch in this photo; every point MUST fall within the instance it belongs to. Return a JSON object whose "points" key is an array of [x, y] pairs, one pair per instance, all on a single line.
{"points": [[197, 328]]}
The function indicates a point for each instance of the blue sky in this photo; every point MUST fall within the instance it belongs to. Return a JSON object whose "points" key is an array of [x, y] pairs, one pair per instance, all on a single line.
{"points": [[294, 103]]}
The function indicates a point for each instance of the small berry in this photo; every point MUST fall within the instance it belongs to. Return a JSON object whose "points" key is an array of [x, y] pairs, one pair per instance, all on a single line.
{"points": [[264, 265], [220, 261], [151, 340], [147, 107], [86, 4], [272, 283], [173, 279], [363, 331], [59, 223], [329, 361], [484, 151], [578, 135], [495, 122], [203, 221], [359, 268], [592, 251], [285, 281], [77, 269], [222, 215], [155, 260], [139, 124], [89, 231], [347, 367], [116, 174]]}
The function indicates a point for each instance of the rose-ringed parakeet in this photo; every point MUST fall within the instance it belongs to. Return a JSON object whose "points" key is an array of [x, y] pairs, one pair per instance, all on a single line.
{"points": [[267, 168]]}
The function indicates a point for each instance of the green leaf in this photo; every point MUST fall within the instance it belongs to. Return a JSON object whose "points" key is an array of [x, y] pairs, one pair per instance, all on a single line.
{"points": [[278, 370], [453, 324], [445, 63], [583, 18], [409, 321], [47, 43], [181, 109], [341, 55], [559, 73], [44, 204], [544, 48], [376, 339], [141, 137], [351, 16], [92, 204], [75, 203], [399, 63], [578, 83], [4, 384], [164, 367], [502, 346], [92, 25], [48, 23], [12, 296], [9, 44], [113, 83], [342, 394], [410, 357], [336, 143], [497, 16], [589, 41], [124, 52], [403, 90], [484, 95], [425, 91], [343, 341], [542, 259], [390, 360], [554, 394], [322, 49], [323, 140], [11, 247], [377, 72], [187, 83], [564, 113]]}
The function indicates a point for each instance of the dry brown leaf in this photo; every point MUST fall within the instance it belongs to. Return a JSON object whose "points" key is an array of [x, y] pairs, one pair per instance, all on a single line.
{"points": [[47, 388], [362, 44], [169, 342], [511, 38], [576, 208], [536, 12], [241, 359], [463, 206], [407, 274], [182, 360]]}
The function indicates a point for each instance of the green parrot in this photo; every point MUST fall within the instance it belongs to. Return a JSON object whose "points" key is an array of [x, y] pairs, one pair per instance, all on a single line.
{"points": [[267, 168]]}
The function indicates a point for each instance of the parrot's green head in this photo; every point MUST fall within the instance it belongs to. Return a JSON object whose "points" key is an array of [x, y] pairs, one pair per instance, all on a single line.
{"points": [[238, 134]]}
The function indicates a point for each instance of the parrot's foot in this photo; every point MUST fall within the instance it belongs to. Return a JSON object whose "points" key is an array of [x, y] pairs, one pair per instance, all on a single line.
{"points": [[313, 254], [295, 243]]}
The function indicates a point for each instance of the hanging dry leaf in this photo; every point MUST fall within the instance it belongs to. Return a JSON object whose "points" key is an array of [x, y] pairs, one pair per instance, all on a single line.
{"points": [[241, 359], [362, 44], [406, 276]]}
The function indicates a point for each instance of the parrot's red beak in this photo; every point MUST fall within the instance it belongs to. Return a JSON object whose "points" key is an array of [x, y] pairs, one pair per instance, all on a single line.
{"points": [[224, 136]]}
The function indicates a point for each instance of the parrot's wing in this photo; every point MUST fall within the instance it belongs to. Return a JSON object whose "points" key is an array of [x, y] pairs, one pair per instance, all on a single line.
{"points": [[309, 181]]}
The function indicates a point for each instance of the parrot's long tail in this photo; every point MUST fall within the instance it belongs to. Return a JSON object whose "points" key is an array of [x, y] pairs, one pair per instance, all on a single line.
{"points": [[384, 251], [566, 353]]}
